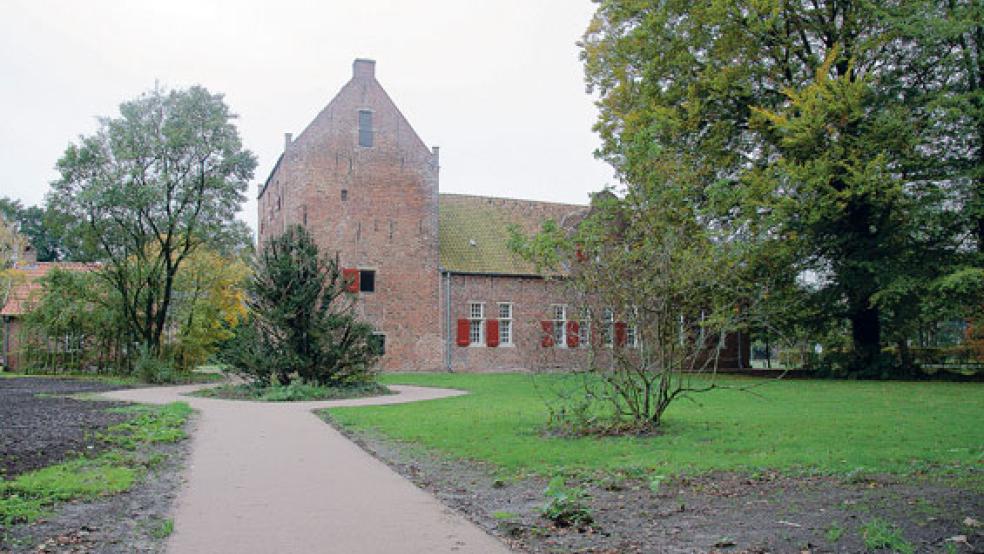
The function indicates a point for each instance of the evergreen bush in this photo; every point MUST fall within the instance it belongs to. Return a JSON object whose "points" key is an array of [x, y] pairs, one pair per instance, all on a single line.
{"points": [[302, 323]]}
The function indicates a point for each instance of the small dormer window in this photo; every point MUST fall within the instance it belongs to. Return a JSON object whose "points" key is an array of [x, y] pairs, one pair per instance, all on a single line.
{"points": [[365, 128]]}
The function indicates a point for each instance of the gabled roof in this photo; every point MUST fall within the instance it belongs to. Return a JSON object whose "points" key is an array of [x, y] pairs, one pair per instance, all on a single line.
{"points": [[474, 231], [27, 282], [273, 172], [355, 87]]}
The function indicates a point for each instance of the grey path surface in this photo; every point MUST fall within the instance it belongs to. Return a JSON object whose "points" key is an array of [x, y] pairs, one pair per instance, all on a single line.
{"points": [[273, 478]]}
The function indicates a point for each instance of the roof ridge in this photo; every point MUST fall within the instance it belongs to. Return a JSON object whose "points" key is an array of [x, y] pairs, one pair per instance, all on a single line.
{"points": [[511, 199]]}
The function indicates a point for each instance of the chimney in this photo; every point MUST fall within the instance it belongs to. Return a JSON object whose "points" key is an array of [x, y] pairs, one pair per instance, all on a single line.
{"points": [[436, 150], [28, 256], [364, 68], [287, 139]]}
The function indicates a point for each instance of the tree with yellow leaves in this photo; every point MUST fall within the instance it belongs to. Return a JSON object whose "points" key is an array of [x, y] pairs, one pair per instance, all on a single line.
{"points": [[12, 245], [210, 302]]}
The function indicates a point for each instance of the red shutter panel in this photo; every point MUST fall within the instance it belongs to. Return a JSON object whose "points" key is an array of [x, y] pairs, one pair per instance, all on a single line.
{"points": [[492, 333], [351, 277], [579, 254], [548, 340], [621, 333], [572, 334], [463, 338]]}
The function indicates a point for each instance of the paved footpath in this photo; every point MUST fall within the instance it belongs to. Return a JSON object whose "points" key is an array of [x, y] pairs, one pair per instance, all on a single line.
{"points": [[273, 478]]}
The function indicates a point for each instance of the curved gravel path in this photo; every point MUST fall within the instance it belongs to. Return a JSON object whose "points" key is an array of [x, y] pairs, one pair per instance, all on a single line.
{"points": [[272, 477]]}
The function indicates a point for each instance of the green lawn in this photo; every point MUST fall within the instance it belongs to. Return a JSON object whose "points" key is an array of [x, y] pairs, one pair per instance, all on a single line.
{"points": [[795, 426], [179, 378], [31, 495]]}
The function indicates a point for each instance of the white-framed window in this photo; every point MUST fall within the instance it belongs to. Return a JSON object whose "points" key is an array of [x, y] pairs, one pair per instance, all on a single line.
{"points": [[608, 321], [558, 314], [632, 330], [505, 323], [476, 323], [584, 329]]}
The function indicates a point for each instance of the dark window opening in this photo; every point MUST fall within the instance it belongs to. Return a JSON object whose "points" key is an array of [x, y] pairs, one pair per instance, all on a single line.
{"points": [[344, 195], [378, 343], [367, 280], [305, 216], [365, 128]]}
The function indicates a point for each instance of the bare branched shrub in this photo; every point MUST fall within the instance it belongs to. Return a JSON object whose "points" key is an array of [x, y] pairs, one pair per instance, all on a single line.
{"points": [[657, 302]]}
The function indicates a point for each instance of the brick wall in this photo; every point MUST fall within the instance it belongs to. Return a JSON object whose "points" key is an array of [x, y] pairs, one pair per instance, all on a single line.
{"points": [[386, 222], [11, 329], [377, 208], [531, 298]]}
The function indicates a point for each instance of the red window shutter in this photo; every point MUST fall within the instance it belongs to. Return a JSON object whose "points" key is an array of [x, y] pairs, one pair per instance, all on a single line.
{"points": [[548, 339], [621, 333], [351, 277], [579, 254], [492, 333], [463, 338], [572, 334]]}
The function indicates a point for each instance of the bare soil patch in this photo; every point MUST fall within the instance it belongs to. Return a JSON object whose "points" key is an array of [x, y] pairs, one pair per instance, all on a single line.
{"points": [[41, 426], [51, 429], [721, 512]]}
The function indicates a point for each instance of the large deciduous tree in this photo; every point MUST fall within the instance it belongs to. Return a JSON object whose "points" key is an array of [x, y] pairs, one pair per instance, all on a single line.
{"points": [[147, 190], [209, 304], [843, 139], [11, 246]]}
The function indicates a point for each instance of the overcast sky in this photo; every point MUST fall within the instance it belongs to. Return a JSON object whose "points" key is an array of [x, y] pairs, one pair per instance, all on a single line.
{"points": [[496, 84]]}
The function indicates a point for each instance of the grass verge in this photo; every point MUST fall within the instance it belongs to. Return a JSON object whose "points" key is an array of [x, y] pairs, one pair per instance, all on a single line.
{"points": [[294, 392], [180, 378], [827, 427], [31, 495]]}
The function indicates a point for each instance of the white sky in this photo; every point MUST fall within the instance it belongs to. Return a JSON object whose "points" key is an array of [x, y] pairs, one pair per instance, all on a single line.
{"points": [[496, 84]]}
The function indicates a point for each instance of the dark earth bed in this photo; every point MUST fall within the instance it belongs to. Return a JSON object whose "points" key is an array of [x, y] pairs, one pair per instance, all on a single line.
{"points": [[722, 512], [37, 431], [40, 431]]}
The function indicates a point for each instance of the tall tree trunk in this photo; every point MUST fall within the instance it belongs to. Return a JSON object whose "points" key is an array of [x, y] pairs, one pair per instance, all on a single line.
{"points": [[906, 362], [861, 247], [866, 337]]}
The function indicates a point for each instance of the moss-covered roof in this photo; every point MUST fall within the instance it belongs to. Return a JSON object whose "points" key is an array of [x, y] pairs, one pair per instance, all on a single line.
{"points": [[474, 231]]}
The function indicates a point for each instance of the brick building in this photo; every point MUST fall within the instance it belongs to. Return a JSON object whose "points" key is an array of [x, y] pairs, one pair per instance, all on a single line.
{"points": [[433, 273], [24, 290]]}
